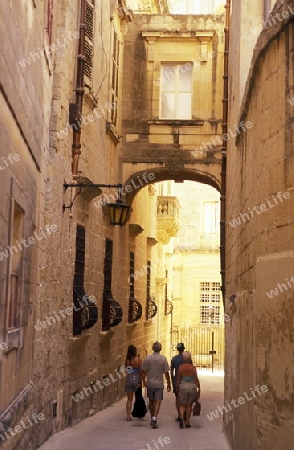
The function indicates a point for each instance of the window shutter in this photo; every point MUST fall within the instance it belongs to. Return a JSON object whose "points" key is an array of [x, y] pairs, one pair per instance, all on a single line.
{"points": [[115, 77], [89, 38]]}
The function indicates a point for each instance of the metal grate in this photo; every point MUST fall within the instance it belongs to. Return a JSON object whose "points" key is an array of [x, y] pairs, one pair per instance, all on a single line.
{"points": [[78, 284], [112, 312], [206, 344]]}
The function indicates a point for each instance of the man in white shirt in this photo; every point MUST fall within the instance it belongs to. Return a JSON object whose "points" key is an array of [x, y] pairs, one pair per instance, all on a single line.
{"points": [[155, 366]]}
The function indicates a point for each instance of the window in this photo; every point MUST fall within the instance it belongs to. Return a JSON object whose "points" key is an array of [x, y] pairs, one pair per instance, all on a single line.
{"points": [[176, 91], [115, 78], [151, 308], [135, 308], [89, 38], [211, 217], [14, 301], [78, 284], [107, 285], [210, 303], [49, 24], [132, 274]]}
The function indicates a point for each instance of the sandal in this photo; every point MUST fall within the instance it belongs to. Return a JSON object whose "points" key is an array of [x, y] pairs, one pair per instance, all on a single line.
{"points": [[181, 423]]}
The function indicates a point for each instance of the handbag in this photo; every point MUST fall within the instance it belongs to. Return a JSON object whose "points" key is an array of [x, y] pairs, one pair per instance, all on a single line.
{"points": [[196, 408], [139, 409]]}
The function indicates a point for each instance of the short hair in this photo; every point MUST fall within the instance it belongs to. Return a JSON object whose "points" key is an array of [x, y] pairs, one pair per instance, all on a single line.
{"points": [[156, 347], [187, 357]]}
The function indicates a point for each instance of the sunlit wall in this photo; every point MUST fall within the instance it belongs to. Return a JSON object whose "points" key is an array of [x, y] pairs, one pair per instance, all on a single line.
{"points": [[194, 6]]}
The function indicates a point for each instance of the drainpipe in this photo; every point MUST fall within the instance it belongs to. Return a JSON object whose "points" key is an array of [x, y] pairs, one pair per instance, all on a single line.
{"points": [[266, 9], [75, 111], [224, 151]]}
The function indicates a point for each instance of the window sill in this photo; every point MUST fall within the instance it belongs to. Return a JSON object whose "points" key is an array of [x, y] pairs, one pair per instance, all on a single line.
{"points": [[111, 131], [130, 326], [177, 122], [148, 321], [106, 333], [13, 340], [75, 342]]}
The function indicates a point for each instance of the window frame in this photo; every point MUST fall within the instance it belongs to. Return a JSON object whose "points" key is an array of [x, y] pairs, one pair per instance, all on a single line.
{"points": [[216, 219], [176, 92], [89, 41], [209, 289]]}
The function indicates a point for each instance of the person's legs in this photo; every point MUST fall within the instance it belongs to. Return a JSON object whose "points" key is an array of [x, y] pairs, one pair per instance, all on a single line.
{"points": [[151, 407], [177, 405], [157, 404], [181, 415], [129, 404], [188, 413]]}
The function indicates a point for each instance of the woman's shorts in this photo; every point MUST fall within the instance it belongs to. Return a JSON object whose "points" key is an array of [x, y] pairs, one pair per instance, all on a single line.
{"points": [[132, 383], [187, 393]]}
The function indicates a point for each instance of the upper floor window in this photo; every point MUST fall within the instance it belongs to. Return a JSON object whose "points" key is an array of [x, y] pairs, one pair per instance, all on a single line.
{"points": [[115, 78], [89, 38], [211, 217], [176, 91], [49, 24], [15, 281]]}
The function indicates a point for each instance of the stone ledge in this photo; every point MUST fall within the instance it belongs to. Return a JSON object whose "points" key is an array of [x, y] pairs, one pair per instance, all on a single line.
{"points": [[131, 325], [75, 342], [16, 409], [106, 333]]}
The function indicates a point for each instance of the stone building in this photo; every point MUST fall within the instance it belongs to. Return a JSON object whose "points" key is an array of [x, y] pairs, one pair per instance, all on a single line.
{"points": [[260, 227], [80, 106], [67, 297]]}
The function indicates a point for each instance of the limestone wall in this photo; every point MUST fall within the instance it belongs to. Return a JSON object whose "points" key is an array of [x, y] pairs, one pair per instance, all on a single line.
{"points": [[260, 247]]}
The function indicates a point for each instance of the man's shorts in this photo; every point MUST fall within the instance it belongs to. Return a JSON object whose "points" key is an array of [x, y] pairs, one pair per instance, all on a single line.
{"points": [[155, 393]]}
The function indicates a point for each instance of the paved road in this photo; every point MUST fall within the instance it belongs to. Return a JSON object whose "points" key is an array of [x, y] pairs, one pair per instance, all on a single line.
{"points": [[108, 430]]}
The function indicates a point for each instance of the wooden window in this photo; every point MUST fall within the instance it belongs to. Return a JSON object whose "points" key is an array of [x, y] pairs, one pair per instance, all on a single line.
{"points": [[115, 78], [148, 278], [49, 20], [176, 91], [210, 302], [89, 39], [132, 274], [16, 260]]}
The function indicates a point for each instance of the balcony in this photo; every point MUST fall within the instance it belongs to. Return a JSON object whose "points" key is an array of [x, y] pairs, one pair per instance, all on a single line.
{"points": [[167, 218]]}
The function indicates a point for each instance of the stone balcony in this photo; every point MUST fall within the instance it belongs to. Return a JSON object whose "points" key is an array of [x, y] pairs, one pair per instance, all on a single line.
{"points": [[167, 218]]}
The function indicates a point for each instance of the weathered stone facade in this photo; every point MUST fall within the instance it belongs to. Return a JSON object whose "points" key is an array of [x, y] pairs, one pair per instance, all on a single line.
{"points": [[260, 243], [175, 148]]}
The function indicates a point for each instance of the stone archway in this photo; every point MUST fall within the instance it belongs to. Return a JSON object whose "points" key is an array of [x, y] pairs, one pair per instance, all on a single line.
{"points": [[150, 175]]}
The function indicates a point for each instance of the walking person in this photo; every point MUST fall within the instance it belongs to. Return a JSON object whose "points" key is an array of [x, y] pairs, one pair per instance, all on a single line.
{"points": [[188, 389], [174, 367], [133, 380], [155, 366]]}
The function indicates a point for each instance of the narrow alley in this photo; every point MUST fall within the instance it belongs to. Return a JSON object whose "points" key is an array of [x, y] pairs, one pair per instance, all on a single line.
{"points": [[108, 430], [147, 205]]}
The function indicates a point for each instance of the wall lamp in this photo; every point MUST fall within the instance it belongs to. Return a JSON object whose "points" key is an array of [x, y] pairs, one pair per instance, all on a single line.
{"points": [[118, 211]]}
